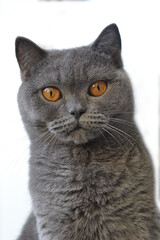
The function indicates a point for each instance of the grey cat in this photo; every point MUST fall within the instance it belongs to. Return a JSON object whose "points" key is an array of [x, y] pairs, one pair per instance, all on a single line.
{"points": [[91, 177]]}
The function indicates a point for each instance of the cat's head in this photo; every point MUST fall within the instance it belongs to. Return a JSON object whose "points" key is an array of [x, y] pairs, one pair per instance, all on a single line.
{"points": [[73, 94]]}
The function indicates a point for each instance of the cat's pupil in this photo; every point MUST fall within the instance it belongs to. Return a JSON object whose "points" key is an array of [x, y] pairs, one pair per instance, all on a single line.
{"points": [[98, 87], [51, 93]]}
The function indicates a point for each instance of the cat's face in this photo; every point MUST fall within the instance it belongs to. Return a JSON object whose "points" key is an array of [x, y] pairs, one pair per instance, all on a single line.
{"points": [[72, 94]]}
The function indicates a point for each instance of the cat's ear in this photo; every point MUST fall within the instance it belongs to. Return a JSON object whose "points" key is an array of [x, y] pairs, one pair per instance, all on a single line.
{"points": [[109, 42], [28, 55]]}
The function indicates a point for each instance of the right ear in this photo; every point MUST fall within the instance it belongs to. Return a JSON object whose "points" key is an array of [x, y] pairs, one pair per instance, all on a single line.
{"points": [[109, 42], [28, 55]]}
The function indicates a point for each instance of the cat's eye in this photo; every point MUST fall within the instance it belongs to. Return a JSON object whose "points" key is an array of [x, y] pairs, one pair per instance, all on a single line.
{"points": [[51, 94], [98, 88]]}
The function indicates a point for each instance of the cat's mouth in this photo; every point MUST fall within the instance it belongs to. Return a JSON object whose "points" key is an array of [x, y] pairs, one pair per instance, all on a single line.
{"points": [[73, 133], [81, 135], [76, 128], [77, 131]]}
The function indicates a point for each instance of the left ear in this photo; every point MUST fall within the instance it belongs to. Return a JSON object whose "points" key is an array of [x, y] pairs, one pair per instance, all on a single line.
{"points": [[109, 42], [28, 55]]}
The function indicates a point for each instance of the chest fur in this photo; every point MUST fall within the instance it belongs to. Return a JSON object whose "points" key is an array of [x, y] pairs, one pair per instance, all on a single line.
{"points": [[78, 175], [83, 190]]}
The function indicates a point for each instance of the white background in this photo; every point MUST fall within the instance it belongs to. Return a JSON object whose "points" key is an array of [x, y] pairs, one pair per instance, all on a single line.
{"points": [[66, 24]]}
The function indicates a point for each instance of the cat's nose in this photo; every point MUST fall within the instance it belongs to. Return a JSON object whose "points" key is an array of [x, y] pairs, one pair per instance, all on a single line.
{"points": [[76, 107], [77, 112]]}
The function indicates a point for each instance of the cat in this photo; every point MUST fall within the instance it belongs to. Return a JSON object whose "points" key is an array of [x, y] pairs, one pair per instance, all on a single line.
{"points": [[91, 176]]}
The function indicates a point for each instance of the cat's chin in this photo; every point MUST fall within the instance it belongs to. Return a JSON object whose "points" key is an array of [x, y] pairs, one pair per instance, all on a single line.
{"points": [[79, 136]]}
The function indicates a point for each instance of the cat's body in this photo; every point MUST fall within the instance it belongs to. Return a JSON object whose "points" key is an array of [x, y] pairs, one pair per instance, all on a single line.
{"points": [[90, 174]]}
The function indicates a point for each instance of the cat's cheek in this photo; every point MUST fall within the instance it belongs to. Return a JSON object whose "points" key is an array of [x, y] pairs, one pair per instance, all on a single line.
{"points": [[44, 111]]}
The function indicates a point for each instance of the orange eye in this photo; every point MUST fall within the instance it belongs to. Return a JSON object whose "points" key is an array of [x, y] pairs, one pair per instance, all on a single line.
{"points": [[98, 88], [51, 94]]}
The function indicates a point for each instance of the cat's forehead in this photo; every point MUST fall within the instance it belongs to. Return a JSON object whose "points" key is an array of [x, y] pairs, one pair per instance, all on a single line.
{"points": [[75, 65]]}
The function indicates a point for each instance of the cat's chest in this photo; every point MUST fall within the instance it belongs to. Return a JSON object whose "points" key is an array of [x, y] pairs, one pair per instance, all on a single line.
{"points": [[86, 182], [76, 171]]}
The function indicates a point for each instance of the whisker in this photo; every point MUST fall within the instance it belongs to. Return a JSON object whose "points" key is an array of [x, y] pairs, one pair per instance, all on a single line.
{"points": [[35, 123], [41, 137], [50, 141], [122, 133], [121, 112], [53, 142], [47, 138], [107, 130], [125, 122], [120, 130], [104, 138], [52, 136]]}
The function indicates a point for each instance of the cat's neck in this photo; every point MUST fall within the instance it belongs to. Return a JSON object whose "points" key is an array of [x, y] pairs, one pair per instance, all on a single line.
{"points": [[72, 154]]}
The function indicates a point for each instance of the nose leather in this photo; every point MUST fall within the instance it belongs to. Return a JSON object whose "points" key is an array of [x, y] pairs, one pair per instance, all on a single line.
{"points": [[76, 108]]}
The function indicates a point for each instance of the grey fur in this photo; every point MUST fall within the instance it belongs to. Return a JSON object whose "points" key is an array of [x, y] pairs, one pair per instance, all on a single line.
{"points": [[91, 177]]}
